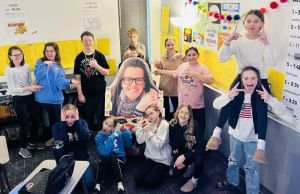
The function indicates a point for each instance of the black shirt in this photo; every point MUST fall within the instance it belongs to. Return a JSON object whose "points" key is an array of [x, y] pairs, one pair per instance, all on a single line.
{"points": [[92, 81]]}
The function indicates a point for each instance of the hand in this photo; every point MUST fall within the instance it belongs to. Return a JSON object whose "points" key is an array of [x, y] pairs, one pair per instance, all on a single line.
{"points": [[264, 94], [35, 88], [182, 166], [157, 72], [49, 62], [179, 161], [134, 54], [150, 98], [234, 91], [81, 98], [192, 73], [76, 114], [75, 82], [156, 64], [63, 116], [233, 36], [93, 63], [127, 54], [263, 36]]}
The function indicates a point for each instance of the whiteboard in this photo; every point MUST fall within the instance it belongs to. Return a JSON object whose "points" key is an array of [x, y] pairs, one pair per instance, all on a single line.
{"points": [[56, 20]]}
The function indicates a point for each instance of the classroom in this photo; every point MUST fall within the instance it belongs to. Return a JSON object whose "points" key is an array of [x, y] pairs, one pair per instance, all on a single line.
{"points": [[150, 96]]}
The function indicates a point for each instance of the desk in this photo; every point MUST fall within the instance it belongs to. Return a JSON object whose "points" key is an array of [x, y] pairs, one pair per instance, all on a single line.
{"points": [[79, 169]]}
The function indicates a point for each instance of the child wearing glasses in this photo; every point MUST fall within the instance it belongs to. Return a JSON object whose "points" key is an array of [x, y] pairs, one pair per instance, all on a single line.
{"points": [[111, 145], [133, 89]]}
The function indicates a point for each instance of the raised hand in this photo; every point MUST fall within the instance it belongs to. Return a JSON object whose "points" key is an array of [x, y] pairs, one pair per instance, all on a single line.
{"points": [[49, 63], [93, 63], [63, 116], [150, 98], [233, 36], [263, 36], [235, 91], [264, 94]]}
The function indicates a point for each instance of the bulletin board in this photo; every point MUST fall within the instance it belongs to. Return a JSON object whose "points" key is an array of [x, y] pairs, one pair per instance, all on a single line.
{"points": [[31, 23]]}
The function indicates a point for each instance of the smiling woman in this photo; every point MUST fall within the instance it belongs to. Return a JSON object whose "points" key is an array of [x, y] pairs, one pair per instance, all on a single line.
{"points": [[133, 89]]}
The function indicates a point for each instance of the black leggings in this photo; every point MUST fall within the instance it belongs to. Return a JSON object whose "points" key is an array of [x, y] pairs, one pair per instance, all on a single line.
{"points": [[106, 163], [224, 114], [151, 174], [174, 101]]}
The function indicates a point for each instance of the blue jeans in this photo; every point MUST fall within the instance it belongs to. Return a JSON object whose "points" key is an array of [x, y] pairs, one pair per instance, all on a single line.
{"points": [[251, 168]]}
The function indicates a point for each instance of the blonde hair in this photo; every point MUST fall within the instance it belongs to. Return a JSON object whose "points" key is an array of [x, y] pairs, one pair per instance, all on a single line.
{"points": [[132, 31], [190, 125], [69, 107]]}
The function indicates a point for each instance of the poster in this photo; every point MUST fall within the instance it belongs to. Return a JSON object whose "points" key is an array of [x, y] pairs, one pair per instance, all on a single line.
{"points": [[198, 38], [214, 10], [291, 95], [90, 13], [187, 35], [211, 37], [229, 9]]}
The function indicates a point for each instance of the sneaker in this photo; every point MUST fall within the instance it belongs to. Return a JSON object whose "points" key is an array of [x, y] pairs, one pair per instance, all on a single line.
{"points": [[97, 189], [39, 146], [189, 171], [213, 143], [260, 156], [189, 186], [121, 190], [25, 153], [49, 143]]}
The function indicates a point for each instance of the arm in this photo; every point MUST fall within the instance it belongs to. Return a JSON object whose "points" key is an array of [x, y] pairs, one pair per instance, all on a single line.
{"points": [[165, 72], [140, 134], [268, 56], [206, 78], [40, 70], [199, 148], [173, 139], [93, 63], [221, 101], [159, 138], [82, 130], [61, 82], [127, 138]]}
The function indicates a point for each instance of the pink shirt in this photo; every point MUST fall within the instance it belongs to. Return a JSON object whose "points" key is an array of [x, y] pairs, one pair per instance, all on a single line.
{"points": [[190, 89]]}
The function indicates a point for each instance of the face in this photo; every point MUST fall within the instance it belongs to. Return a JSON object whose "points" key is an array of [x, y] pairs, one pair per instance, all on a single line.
{"points": [[133, 82], [70, 117], [183, 115], [133, 38], [192, 56], [16, 57], [108, 125], [170, 45], [88, 42], [152, 115], [249, 80], [253, 23], [50, 53]]}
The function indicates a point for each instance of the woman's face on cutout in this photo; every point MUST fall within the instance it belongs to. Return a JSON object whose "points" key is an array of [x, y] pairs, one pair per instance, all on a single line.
{"points": [[50, 53], [133, 82], [249, 80], [183, 115], [253, 23]]}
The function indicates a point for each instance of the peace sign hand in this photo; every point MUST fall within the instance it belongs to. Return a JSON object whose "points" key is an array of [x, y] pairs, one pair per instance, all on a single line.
{"points": [[264, 94], [233, 36], [263, 36], [234, 91]]}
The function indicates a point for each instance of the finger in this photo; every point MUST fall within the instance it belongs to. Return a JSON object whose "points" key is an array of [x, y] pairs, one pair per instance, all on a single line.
{"points": [[236, 85], [239, 90], [259, 92], [264, 89], [235, 28]]}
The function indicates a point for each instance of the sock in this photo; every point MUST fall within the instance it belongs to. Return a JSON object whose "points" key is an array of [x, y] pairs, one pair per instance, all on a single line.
{"points": [[97, 187], [261, 144], [217, 132], [120, 186], [195, 181]]}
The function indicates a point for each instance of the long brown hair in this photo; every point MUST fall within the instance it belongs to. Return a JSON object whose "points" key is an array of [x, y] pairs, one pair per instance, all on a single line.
{"points": [[9, 54], [189, 127], [56, 49], [256, 12]]}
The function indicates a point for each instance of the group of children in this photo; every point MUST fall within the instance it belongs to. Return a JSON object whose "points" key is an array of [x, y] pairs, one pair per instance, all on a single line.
{"points": [[171, 147]]}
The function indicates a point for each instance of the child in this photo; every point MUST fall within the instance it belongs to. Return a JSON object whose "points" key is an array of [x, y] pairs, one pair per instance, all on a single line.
{"points": [[187, 143], [154, 131], [169, 85], [74, 133], [135, 49], [247, 128], [191, 79], [252, 49], [90, 69], [110, 145], [21, 88]]}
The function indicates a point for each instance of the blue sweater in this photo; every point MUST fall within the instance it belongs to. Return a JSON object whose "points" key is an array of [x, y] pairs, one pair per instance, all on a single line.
{"points": [[110, 144], [53, 80]]}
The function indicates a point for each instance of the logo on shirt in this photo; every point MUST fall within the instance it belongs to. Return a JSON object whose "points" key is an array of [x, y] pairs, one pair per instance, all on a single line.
{"points": [[87, 69], [246, 111]]}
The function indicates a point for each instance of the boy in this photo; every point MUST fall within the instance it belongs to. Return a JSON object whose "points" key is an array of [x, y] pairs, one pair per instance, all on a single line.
{"points": [[135, 49]]}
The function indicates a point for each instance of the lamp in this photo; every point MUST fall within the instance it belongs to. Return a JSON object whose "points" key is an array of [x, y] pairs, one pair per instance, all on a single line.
{"points": [[189, 17]]}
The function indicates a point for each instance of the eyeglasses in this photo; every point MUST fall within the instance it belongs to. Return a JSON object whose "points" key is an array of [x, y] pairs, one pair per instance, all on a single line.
{"points": [[129, 80], [17, 55]]}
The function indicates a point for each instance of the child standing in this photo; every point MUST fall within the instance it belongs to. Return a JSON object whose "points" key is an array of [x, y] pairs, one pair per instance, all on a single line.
{"points": [[252, 49], [187, 143], [191, 79], [247, 128], [135, 48], [111, 144]]}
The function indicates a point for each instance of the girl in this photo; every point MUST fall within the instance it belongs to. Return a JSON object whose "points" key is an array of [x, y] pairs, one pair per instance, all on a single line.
{"points": [[133, 89], [51, 76], [247, 128], [252, 49], [154, 131], [110, 145], [74, 133], [187, 143], [21, 88], [191, 79], [169, 85]]}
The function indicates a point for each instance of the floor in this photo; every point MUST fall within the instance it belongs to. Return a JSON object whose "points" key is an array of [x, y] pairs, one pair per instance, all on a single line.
{"points": [[214, 170]]}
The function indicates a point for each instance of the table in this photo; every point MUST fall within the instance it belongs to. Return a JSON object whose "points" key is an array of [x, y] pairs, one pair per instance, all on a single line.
{"points": [[79, 169]]}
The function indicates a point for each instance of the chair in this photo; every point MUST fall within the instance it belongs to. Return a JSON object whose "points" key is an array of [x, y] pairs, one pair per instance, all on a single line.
{"points": [[4, 158]]}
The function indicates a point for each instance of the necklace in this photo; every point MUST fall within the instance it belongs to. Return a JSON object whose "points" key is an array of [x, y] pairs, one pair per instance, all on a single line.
{"points": [[87, 58]]}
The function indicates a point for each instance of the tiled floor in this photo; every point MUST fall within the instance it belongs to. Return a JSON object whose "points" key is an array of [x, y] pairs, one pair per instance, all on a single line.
{"points": [[214, 170]]}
